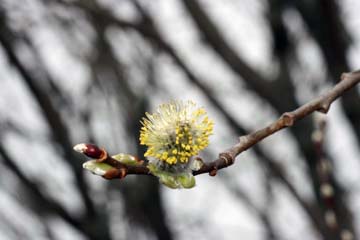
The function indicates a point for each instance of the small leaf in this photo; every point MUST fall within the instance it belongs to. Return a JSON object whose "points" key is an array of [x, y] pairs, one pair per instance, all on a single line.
{"points": [[153, 169], [186, 180], [126, 159], [96, 167], [169, 181], [196, 164]]}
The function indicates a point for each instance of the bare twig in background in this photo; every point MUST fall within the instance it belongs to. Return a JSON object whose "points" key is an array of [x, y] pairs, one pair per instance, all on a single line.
{"points": [[148, 29], [111, 72], [57, 126], [335, 215], [46, 202]]}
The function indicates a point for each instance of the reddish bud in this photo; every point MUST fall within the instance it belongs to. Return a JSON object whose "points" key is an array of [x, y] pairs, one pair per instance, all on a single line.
{"points": [[115, 173], [213, 172], [90, 150]]}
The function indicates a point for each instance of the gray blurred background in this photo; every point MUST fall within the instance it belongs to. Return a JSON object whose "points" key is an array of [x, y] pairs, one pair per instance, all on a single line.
{"points": [[74, 71]]}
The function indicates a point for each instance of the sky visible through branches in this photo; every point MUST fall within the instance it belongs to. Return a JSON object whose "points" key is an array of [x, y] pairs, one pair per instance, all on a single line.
{"points": [[87, 71]]}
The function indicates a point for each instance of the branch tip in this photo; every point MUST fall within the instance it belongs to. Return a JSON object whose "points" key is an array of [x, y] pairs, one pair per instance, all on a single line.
{"points": [[90, 150], [80, 147]]}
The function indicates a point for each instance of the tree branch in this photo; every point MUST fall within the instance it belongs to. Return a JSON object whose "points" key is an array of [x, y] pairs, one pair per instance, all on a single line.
{"points": [[59, 131], [51, 114], [45, 202], [213, 36], [227, 158]]}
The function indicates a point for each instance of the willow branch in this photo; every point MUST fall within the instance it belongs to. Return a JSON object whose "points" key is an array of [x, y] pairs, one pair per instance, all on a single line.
{"points": [[320, 104], [227, 158]]}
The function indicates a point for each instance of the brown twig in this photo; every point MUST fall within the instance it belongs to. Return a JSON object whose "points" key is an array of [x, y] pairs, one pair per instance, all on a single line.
{"points": [[227, 158], [321, 104]]}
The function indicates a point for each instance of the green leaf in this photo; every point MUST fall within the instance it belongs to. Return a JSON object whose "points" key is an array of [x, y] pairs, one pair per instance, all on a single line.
{"points": [[96, 167], [153, 169], [171, 180], [196, 164], [126, 159], [186, 180]]}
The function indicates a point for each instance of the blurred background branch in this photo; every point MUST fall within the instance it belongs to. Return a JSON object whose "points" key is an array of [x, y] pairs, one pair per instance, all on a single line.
{"points": [[87, 70]]}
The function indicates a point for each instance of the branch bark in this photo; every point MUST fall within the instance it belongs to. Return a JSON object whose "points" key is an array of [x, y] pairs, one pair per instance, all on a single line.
{"points": [[227, 158], [321, 104], [146, 27]]}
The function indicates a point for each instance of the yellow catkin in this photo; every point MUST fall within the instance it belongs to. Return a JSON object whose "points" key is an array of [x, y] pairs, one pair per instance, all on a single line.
{"points": [[175, 132]]}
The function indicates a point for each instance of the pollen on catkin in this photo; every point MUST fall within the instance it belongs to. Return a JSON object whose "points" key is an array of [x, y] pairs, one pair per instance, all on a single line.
{"points": [[177, 131]]}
